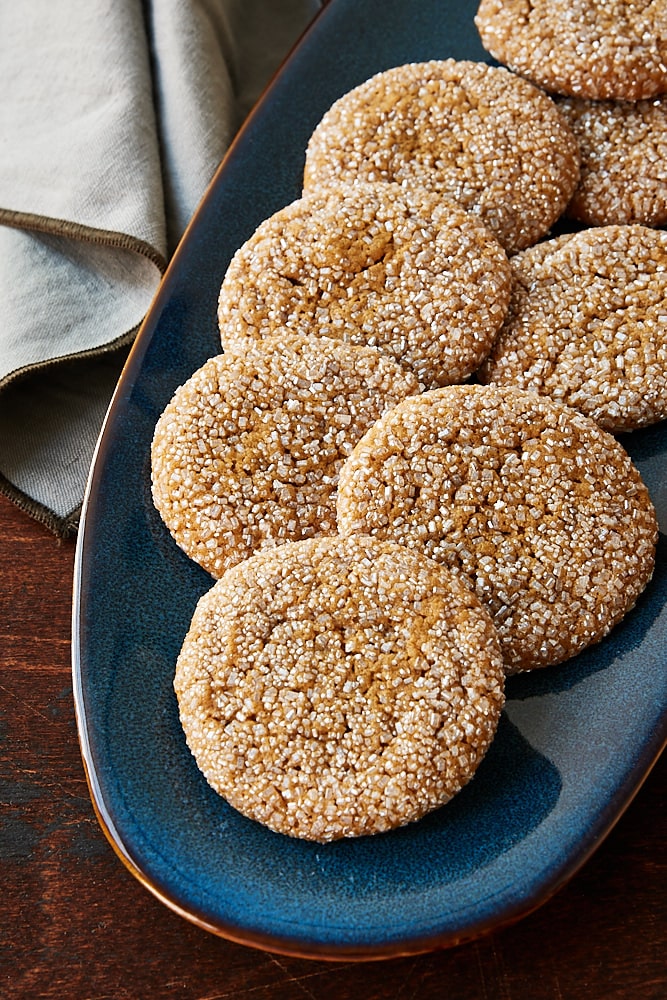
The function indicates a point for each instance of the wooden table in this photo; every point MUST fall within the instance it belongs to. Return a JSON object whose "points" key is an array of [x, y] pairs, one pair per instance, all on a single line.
{"points": [[75, 924]]}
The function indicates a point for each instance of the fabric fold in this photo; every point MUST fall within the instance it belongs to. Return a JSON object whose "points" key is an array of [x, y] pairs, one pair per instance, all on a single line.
{"points": [[115, 115]]}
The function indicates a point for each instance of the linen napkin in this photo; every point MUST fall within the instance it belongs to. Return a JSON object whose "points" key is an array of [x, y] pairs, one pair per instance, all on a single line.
{"points": [[114, 116]]}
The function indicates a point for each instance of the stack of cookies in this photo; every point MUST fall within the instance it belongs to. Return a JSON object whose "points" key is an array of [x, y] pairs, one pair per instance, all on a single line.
{"points": [[587, 319], [605, 64], [401, 470]]}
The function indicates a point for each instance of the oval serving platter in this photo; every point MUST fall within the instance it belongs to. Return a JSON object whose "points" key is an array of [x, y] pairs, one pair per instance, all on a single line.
{"points": [[574, 744]]}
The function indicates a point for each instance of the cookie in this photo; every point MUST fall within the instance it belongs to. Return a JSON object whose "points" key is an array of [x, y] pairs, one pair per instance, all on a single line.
{"points": [[477, 134], [416, 277], [247, 452], [600, 49], [540, 509], [339, 687], [623, 148], [587, 325]]}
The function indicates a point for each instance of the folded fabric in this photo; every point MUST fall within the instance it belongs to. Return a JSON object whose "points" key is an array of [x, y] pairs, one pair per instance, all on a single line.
{"points": [[113, 119]]}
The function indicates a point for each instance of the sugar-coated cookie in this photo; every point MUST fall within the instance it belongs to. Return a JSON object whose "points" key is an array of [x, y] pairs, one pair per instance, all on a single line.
{"points": [[602, 49], [247, 452], [541, 510], [477, 134], [339, 687], [587, 325], [411, 274], [623, 148]]}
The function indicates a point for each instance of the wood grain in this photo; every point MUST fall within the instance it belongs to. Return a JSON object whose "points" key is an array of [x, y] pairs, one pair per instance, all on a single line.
{"points": [[75, 924]]}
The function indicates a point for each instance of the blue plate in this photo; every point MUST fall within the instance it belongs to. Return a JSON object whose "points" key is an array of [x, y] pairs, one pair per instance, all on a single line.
{"points": [[573, 746]]}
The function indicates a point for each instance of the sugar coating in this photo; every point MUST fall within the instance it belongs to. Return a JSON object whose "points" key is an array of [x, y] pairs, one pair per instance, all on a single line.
{"points": [[623, 148], [248, 451], [600, 49], [587, 325], [412, 275], [477, 134], [540, 509], [339, 687]]}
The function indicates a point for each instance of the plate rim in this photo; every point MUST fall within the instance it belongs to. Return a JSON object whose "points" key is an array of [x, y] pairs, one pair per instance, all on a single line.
{"points": [[295, 947], [286, 945]]}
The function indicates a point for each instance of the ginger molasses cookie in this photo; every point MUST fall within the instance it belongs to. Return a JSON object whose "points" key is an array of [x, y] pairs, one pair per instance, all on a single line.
{"points": [[477, 134], [339, 687], [247, 452], [601, 49], [587, 325], [623, 161], [540, 509], [414, 276]]}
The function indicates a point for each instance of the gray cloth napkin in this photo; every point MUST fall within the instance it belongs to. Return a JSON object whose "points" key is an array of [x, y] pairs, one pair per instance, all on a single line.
{"points": [[114, 115]]}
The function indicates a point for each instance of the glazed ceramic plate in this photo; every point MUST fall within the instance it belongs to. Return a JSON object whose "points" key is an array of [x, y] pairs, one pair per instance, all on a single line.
{"points": [[573, 746]]}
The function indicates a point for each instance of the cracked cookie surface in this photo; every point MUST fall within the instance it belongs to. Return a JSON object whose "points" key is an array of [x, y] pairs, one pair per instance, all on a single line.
{"points": [[339, 687], [587, 325], [412, 275], [623, 146], [540, 509], [601, 49], [479, 135], [248, 451]]}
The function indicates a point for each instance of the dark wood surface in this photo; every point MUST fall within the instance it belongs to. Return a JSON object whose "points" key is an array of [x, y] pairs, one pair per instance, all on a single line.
{"points": [[75, 924]]}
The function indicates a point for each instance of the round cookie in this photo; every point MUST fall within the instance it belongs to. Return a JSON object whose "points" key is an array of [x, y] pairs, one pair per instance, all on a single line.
{"points": [[247, 452], [474, 133], [539, 508], [623, 147], [600, 49], [587, 325], [339, 687], [414, 276]]}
